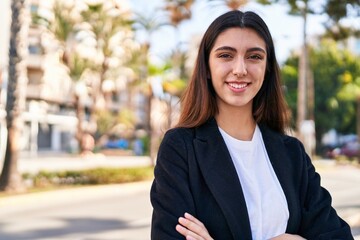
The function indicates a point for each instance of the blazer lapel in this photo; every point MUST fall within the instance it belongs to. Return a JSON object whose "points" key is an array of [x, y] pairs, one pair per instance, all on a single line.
{"points": [[220, 175], [284, 170]]}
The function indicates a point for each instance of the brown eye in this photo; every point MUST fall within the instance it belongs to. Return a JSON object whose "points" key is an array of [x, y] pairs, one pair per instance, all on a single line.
{"points": [[224, 55], [256, 57]]}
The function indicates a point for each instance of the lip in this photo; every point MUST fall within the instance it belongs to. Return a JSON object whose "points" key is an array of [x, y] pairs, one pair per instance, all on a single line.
{"points": [[238, 86]]}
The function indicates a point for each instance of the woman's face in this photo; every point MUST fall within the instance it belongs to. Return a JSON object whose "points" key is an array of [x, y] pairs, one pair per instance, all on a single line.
{"points": [[237, 64]]}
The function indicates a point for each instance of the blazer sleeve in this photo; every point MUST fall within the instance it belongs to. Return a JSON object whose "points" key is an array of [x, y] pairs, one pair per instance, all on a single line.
{"points": [[319, 220], [170, 193]]}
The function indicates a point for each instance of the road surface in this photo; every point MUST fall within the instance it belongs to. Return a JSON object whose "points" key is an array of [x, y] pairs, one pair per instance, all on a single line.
{"points": [[123, 211]]}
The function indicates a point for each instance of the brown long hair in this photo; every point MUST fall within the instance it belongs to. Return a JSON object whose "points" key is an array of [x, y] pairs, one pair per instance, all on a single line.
{"points": [[199, 99]]}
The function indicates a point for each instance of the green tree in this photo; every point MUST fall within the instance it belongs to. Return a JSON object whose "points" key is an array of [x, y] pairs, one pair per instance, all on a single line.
{"points": [[179, 11], [102, 28], [10, 179], [330, 63], [174, 79], [110, 25], [335, 10], [350, 90], [147, 23], [62, 26], [290, 73]]}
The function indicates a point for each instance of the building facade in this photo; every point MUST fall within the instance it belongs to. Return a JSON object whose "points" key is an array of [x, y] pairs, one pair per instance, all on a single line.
{"points": [[50, 121]]}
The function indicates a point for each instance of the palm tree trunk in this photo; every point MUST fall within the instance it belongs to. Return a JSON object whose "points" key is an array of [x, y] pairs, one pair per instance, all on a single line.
{"points": [[80, 116], [302, 81], [10, 179]]}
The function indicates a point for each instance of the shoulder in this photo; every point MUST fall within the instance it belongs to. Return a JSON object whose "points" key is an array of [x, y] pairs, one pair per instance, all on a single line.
{"points": [[178, 134], [277, 136], [291, 141], [279, 140], [179, 131], [177, 140]]}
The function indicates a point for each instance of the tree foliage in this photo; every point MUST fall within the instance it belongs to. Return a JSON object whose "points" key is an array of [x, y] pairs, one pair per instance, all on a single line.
{"points": [[95, 40], [335, 10], [331, 66], [178, 10]]}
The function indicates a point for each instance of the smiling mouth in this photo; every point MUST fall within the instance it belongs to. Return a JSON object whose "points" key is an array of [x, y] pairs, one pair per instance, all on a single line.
{"points": [[238, 85]]}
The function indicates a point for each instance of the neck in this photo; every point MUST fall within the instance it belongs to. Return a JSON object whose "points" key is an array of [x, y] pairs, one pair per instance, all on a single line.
{"points": [[238, 124]]}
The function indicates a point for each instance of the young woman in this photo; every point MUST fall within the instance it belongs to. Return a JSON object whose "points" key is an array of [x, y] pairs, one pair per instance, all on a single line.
{"points": [[228, 171]]}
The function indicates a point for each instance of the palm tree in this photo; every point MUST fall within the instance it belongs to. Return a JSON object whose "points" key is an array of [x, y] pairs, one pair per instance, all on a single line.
{"points": [[149, 24], [231, 4], [179, 10], [336, 10], [63, 28], [107, 22], [176, 83], [11, 180], [102, 23], [305, 103]]}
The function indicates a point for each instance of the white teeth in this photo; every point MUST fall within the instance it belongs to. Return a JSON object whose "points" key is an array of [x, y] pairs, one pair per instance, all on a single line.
{"points": [[238, 86]]}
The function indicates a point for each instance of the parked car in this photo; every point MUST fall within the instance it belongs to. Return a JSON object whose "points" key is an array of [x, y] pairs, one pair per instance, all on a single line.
{"points": [[349, 149]]}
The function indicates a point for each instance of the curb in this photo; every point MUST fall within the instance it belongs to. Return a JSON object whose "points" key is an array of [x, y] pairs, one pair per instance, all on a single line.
{"points": [[78, 193]]}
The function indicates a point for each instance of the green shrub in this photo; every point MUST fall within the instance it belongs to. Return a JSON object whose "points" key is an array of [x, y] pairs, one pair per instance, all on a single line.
{"points": [[89, 177]]}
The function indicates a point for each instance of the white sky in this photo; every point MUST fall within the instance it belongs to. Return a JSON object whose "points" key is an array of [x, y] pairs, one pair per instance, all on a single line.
{"points": [[285, 29]]}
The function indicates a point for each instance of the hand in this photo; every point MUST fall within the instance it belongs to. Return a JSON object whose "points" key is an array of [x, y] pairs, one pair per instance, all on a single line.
{"points": [[192, 229], [286, 236]]}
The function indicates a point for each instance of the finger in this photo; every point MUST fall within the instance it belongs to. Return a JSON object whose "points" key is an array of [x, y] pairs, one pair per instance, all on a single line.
{"points": [[192, 226], [189, 235], [182, 230], [199, 230], [190, 238], [286, 236], [193, 219]]}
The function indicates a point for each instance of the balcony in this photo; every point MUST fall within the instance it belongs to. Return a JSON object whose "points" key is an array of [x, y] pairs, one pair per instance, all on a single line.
{"points": [[34, 61]]}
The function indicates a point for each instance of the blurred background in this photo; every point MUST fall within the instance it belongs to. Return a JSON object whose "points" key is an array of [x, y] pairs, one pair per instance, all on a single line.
{"points": [[92, 85]]}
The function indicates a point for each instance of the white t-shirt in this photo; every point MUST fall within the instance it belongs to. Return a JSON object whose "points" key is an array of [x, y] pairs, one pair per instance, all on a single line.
{"points": [[264, 197]]}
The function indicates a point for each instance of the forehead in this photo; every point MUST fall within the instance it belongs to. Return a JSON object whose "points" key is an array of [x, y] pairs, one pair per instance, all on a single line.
{"points": [[239, 38]]}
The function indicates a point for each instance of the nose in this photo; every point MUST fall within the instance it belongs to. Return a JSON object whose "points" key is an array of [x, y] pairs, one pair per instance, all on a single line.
{"points": [[239, 68]]}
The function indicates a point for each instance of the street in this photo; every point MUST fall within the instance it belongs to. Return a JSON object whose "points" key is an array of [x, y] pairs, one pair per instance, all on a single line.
{"points": [[343, 183], [123, 211], [116, 212]]}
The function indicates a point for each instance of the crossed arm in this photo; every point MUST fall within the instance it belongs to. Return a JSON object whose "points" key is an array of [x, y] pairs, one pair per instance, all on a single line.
{"points": [[193, 229]]}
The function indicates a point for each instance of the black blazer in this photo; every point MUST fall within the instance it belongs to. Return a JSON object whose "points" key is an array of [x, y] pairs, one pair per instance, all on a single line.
{"points": [[194, 173]]}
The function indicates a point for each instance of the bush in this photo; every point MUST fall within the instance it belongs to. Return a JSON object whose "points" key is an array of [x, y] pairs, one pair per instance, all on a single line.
{"points": [[89, 177]]}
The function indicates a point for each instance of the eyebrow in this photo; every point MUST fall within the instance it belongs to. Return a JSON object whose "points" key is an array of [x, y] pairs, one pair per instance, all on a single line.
{"points": [[228, 48]]}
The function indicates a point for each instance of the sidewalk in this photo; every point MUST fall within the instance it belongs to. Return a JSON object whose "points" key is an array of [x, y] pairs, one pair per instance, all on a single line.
{"points": [[342, 181], [59, 162], [106, 212]]}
